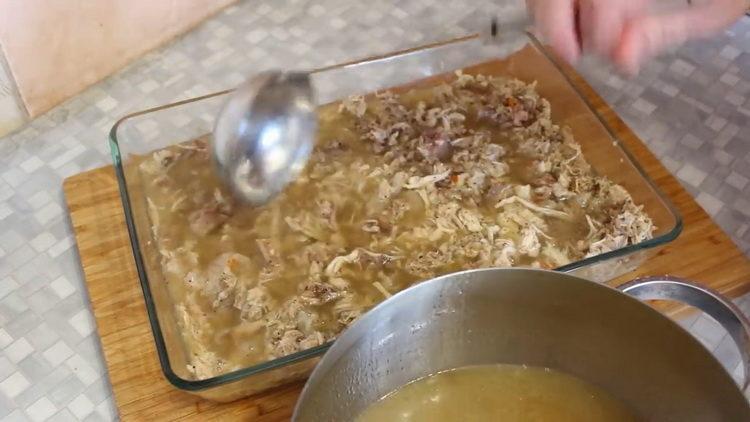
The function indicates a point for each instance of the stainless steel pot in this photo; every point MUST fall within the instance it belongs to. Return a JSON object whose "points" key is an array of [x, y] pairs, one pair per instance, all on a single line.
{"points": [[538, 318]]}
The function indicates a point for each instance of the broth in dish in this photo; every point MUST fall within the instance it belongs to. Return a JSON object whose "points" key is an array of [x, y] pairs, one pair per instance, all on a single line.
{"points": [[508, 393]]}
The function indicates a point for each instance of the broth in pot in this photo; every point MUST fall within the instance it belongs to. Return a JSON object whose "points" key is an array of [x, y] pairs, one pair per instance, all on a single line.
{"points": [[506, 393]]}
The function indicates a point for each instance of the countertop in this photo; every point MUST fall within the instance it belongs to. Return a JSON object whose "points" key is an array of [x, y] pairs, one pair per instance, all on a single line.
{"points": [[689, 106]]}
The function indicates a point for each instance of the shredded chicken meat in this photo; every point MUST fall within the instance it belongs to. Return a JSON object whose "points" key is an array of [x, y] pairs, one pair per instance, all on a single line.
{"points": [[401, 188]]}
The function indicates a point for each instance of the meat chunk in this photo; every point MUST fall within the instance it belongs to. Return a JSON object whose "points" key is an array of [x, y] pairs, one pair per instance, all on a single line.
{"points": [[477, 181], [181, 260], [470, 220], [292, 327], [518, 114], [355, 105], [255, 304], [533, 207], [312, 340], [426, 264], [335, 147], [348, 309], [530, 244], [267, 250], [310, 226], [541, 193], [618, 194], [316, 256], [293, 341], [505, 253], [334, 267], [371, 226], [523, 191], [436, 145], [416, 182], [513, 112], [544, 180], [212, 215], [498, 192], [493, 152], [227, 276], [378, 259], [327, 212], [289, 343], [206, 220], [632, 223], [559, 191], [357, 256], [556, 256], [205, 364], [608, 243], [159, 162], [425, 117], [317, 293]]}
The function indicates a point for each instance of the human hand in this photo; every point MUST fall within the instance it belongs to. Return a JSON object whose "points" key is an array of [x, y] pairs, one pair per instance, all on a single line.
{"points": [[627, 31]]}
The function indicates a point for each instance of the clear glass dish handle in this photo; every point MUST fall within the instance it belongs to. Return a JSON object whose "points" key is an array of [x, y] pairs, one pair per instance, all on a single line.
{"points": [[707, 300]]}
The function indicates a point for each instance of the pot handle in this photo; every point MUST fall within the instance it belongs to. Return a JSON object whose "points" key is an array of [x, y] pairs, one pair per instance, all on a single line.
{"points": [[707, 300]]}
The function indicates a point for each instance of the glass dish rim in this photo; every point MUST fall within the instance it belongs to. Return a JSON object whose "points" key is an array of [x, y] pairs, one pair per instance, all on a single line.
{"points": [[218, 380]]}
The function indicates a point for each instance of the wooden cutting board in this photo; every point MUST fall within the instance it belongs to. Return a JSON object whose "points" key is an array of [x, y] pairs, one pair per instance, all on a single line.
{"points": [[702, 253]]}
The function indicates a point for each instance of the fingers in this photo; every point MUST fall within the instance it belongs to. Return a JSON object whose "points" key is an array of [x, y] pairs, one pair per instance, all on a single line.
{"points": [[556, 22], [645, 36], [602, 23], [625, 30]]}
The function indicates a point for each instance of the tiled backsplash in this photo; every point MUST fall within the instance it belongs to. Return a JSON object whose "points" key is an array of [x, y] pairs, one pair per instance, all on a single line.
{"points": [[54, 49]]}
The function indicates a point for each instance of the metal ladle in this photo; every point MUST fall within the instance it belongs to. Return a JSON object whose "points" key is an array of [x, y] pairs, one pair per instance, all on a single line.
{"points": [[264, 134], [266, 130]]}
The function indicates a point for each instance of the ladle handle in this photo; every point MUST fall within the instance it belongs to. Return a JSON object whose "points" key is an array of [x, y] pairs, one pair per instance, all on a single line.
{"points": [[707, 300]]}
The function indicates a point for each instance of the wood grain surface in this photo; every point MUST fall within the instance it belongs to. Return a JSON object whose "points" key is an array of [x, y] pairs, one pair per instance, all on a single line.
{"points": [[702, 253]]}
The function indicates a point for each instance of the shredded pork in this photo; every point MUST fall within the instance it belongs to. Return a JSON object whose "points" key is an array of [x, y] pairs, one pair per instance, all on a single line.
{"points": [[401, 188]]}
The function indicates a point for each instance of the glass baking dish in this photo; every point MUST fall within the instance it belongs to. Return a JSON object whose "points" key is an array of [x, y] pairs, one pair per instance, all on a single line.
{"points": [[522, 57]]}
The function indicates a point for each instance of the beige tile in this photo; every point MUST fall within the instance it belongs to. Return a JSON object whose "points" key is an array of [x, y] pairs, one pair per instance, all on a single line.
{"points": [[710, 203], [56, 48], [691, 174]]}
